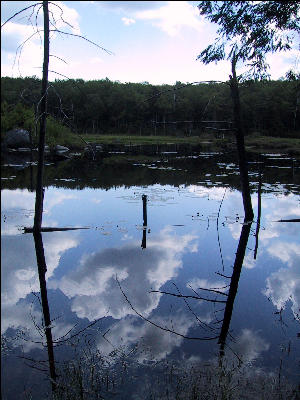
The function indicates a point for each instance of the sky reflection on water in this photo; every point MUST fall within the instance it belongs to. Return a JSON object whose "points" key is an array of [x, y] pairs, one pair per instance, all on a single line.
{"points": [[192, 237]]}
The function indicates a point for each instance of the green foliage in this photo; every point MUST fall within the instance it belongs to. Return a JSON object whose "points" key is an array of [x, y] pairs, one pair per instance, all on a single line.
{"points": [[16, 116], [250, 29], [104, 107], [23, 117], [56, 133]]}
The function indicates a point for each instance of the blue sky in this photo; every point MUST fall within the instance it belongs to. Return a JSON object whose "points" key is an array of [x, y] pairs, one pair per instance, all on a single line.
{"points": [[153, 41]]}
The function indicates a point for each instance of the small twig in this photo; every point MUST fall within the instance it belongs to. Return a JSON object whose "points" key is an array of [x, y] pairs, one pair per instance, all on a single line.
{"points": [[219, 243], [61, 59], [224, 276]]}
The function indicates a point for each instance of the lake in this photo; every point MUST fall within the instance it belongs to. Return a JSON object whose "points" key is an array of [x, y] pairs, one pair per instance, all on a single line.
{"points": [[165, 291]]}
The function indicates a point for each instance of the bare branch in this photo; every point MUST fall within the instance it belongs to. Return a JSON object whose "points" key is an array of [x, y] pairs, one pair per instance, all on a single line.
{"points": [[19, 12], [61, 59], [64, 21], [20, 48], [82, 37]]}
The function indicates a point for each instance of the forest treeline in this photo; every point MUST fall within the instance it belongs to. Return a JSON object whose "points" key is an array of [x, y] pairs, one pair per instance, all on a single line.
{"points": [[104, 106]]}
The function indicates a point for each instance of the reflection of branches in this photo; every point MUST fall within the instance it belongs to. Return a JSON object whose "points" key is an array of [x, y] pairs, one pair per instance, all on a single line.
{"points": [[188, 296], [159, 326], [220, 249], [213, 290], [189, 307], [59, 341], [258, 211]]}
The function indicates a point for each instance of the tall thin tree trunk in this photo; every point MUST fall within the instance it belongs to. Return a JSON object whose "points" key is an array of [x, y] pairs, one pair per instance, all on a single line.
{"points": [[240, 143], [39, 198]]}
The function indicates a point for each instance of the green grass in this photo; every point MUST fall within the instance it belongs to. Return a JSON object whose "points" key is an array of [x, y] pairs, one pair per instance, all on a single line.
{"points": [[132, 139], [254, 143], [276, 144]]}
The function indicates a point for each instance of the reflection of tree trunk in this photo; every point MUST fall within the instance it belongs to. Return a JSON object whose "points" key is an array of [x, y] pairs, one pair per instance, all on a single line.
{"points": [[258, 211], [42, 268], [238, 263], [240, 143], [144, 198], [43, 113]]}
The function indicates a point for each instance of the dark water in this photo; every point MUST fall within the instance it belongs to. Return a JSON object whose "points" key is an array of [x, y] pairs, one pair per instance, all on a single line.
{"points": [[137, 300]]}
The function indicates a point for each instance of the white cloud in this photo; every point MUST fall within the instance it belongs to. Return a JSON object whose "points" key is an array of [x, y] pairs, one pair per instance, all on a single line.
{"points": [[151, 342], [18, 207], [129, 6], [22, 317], [286, 252], [128, 21], [197, 283], [284, 284], [249, 345], [65, 16], [249, 261], [94, 290], [20, 268], [172, 17]]}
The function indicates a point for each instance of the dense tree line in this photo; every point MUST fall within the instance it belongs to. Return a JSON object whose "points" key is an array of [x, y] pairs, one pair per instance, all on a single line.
{"points": [[104, 106]]}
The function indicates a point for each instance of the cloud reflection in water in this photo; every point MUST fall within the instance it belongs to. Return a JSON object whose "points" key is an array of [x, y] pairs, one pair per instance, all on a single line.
{"points": [[93, 288]]}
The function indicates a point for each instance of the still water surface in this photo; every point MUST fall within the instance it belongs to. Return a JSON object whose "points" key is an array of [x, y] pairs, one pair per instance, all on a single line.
{"points": [[149, 280]]}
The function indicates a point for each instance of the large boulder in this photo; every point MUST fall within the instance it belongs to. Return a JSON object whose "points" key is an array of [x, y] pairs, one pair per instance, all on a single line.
{"points": [[16, 138]]}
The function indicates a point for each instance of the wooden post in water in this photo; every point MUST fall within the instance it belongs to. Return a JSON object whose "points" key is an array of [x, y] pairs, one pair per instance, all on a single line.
{"points": [[144, 198]]}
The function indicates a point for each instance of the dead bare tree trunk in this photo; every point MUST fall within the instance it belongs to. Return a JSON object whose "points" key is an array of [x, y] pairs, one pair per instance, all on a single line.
{"points": [[43, 119], [239, 133]]}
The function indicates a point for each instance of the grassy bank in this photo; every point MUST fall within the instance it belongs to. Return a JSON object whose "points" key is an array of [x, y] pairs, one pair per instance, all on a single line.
{"points": [[273, 144], [254, 143]]}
